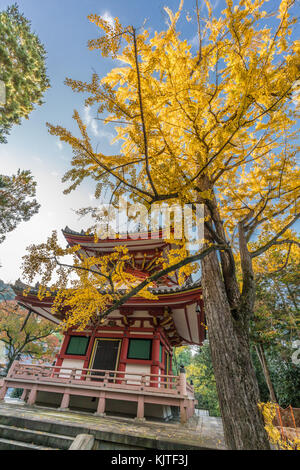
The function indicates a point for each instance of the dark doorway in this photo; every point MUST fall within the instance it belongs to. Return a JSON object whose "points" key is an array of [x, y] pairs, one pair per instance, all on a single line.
{"points": [[105, 357]]}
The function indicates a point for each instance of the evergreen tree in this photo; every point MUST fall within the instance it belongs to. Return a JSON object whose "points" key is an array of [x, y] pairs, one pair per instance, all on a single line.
{"points": [[17, 200], [275, 324], [22, 69]]}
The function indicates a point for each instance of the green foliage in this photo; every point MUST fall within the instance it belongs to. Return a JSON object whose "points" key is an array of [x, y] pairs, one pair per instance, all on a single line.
{"points": [[200, 370], [263, 388], [16, 393], [31, 337], [277, 316], [286, 380], [284, 374], [22, 69], [182, 357], [17, 202], [275, 325]]}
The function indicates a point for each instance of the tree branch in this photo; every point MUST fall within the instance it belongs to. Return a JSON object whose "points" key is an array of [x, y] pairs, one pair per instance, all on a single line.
{"points": [[268, 245], [154, 277]]}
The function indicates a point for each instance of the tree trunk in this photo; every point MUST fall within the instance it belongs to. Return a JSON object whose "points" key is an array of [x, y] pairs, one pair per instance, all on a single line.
{"points": [[262, 359], [235, 377], [8, 365]]}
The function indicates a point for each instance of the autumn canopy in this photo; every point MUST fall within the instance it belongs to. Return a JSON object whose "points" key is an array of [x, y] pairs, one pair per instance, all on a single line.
{"points": [[215, 126]]}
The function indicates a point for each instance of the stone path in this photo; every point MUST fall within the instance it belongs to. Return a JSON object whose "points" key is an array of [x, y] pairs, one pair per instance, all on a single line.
{"points": [[201, 431], [211, 428]]}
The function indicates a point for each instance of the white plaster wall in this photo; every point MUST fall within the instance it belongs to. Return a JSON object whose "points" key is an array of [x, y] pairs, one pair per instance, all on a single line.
{"points": [[72, 363], [137, 369]]}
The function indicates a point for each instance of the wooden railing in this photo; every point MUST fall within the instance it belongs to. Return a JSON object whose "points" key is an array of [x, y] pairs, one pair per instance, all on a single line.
{"points": [[190, 389], [155, 383], [104, 384]]}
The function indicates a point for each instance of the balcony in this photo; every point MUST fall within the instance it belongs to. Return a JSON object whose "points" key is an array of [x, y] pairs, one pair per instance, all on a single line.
{"points": [[104, 385]]}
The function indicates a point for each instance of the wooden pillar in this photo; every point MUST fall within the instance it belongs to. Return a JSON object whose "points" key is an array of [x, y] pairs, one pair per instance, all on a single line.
{"points": [[155, 359], [3, 391], [124, 352], [193, 407], [101, 405], [123, 357], [183, 412], [182, 381], [59, 356], [89, 349], [32, 396], [140, 408], [24, 394], [65, 401]]}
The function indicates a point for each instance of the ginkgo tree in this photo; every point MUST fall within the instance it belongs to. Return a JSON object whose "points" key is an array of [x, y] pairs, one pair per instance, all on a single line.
{"points": [[217, 127]]}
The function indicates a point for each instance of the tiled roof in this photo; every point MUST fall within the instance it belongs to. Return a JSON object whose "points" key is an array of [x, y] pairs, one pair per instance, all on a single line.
{"points": [[20, 286]]}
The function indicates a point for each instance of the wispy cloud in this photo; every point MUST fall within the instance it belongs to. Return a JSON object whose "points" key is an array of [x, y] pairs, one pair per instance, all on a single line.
{"points": [[91, 123], [89, 120], [59, 144], [194, 42], [109, 18]]}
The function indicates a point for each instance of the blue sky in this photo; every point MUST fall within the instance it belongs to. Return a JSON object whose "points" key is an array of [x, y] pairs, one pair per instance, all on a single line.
{"points": [[64, 29]]}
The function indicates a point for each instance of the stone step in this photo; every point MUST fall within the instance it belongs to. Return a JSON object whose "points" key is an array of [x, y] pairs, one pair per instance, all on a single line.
{"points": [[106, 437], [39, 438], [36, 423], [9, 444]]}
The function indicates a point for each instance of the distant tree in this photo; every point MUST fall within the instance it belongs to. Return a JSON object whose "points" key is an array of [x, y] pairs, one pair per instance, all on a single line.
{"points": [[22, 69], [35, 340], [182, 357], [17, 201], [6, 292], [201, 372], [275, 324]]}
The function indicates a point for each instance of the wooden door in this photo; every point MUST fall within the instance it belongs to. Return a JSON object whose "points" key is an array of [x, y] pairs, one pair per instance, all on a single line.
{"points": [[106, 355]]}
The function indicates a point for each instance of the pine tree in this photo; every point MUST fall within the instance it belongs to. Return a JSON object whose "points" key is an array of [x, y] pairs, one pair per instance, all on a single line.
{"points": [[17, 202], [22, 69]]}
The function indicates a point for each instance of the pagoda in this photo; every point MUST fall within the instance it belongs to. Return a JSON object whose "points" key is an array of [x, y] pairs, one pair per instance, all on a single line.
{"points": [[125, 364]]}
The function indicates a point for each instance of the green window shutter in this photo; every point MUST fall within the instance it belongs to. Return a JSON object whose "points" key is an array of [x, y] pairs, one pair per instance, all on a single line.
{"points": [[139, 349], [77, 345], [160, 352]]}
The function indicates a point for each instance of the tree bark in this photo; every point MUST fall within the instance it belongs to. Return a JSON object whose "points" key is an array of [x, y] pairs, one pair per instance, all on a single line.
{"points": [[263, 361], [10, 361], [235, 377]]}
